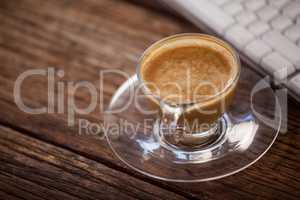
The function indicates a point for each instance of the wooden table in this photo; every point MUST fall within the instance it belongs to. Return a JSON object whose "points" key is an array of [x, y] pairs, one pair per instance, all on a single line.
{"points": [[41, 157]]}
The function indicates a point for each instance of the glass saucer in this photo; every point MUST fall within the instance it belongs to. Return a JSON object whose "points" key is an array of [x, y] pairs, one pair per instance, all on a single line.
{"points": [[247, 131]]}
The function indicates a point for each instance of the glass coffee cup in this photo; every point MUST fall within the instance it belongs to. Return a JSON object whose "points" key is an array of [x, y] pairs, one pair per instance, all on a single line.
{"points": [[198, 132], [191, 114]]}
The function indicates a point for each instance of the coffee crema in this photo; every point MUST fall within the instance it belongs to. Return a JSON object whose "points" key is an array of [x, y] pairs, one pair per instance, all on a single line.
{"points": [[188, 70]]}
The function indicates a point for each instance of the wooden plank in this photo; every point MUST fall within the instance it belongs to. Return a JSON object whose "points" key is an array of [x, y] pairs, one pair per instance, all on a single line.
{"points": [[83, 37], [37, 170], [5, 195]]}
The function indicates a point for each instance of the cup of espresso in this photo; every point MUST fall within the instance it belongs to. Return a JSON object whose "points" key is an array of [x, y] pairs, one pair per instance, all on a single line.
{"points": [[190, 79]]}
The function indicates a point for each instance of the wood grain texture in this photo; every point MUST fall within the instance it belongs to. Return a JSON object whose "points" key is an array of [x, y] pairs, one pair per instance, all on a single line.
{"points": [[81, 38], [37, 170]]}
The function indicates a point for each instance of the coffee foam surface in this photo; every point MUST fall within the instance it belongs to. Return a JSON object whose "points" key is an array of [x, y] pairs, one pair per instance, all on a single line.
{"points": [[188, 70]]}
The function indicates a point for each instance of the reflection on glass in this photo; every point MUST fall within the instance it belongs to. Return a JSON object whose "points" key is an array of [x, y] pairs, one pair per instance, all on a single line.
{"points": [[242, 134]]}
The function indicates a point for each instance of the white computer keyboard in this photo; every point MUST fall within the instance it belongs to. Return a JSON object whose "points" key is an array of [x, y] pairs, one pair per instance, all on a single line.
{"points": [[266, 31]]}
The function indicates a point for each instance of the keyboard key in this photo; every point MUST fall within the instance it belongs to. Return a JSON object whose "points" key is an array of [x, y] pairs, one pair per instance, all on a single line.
{"points": [[245, 18], [292, 9], [293, 33], [278, 66], [294, 83], [209, 13], [258, 28], [240, 1], [239, 36], [278, 3], [257, 49], [284, 46], [267, 13], [220, 2], [233, 8], [282, 22], [254, 5]]}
